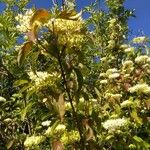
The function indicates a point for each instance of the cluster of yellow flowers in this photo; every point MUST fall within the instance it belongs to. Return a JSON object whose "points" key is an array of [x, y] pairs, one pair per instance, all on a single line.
{"points": [[33, 141], [69, 31]]}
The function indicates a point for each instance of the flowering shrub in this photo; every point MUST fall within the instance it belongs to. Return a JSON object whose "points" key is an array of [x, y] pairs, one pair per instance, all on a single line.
{"points": [[61, 96]]}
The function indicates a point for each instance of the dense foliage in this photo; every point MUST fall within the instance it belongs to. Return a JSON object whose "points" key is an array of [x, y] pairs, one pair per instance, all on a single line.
{"points": [[70, 83]]}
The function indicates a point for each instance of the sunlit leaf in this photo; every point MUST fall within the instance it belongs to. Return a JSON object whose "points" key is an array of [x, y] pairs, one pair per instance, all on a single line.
{"points": [[61, 106], [137, 119], [24, 51], [26, 110], [20, 82], [10, 144]]}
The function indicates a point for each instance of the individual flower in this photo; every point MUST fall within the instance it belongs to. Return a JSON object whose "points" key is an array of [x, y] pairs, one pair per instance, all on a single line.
{"points": [[33, 140], [24, 21], [139, 40], [113, 124], [140, 88], [46, 123], [141, 59]]}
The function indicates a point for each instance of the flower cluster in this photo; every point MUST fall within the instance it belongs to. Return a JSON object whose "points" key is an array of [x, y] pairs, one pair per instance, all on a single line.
{"points": [[33, 140], [139, 40], [70, 137], [41, 79], [140, 88], [113, 124], [69, 31], [60, 128], [142, 59], [24, 21], [46, 123]]}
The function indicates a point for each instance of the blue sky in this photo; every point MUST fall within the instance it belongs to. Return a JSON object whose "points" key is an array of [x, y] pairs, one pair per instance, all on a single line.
{"points": [[139, 25]]}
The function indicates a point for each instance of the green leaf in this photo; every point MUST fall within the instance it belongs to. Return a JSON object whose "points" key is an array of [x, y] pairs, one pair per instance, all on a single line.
{"points": [[138, 139], [26, 110], [79, 78], [10, 144], [20, 82]]}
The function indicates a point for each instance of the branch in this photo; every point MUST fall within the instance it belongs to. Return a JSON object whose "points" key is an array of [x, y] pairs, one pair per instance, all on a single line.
{"points": [[71, 101]]}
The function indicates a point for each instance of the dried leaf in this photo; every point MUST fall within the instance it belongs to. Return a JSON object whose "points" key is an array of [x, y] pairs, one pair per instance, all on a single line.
{"points": [[90, 133], [57, 145], [41, 15], [70, 14], [61, 106], [24, 52]]}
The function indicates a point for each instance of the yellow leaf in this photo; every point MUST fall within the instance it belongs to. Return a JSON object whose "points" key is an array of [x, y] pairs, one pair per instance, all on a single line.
{"points": [[26, 48]]}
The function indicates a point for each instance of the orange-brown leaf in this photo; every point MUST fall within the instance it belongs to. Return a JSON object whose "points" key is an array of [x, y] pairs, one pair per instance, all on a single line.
{"points": [[26, 48], [57, 145], [41, 15]]}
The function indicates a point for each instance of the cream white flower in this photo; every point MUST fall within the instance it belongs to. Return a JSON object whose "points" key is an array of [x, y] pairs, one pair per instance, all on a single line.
{"points": [[124, 46], [24, 21], [114, 75], [46, 123], [141, 59], [140, 88], [128, 66], [130, 49], [113, 124], [102, 75], [110, 71], [33, 140], [139, 40], [60, 127], [103, 81]]}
